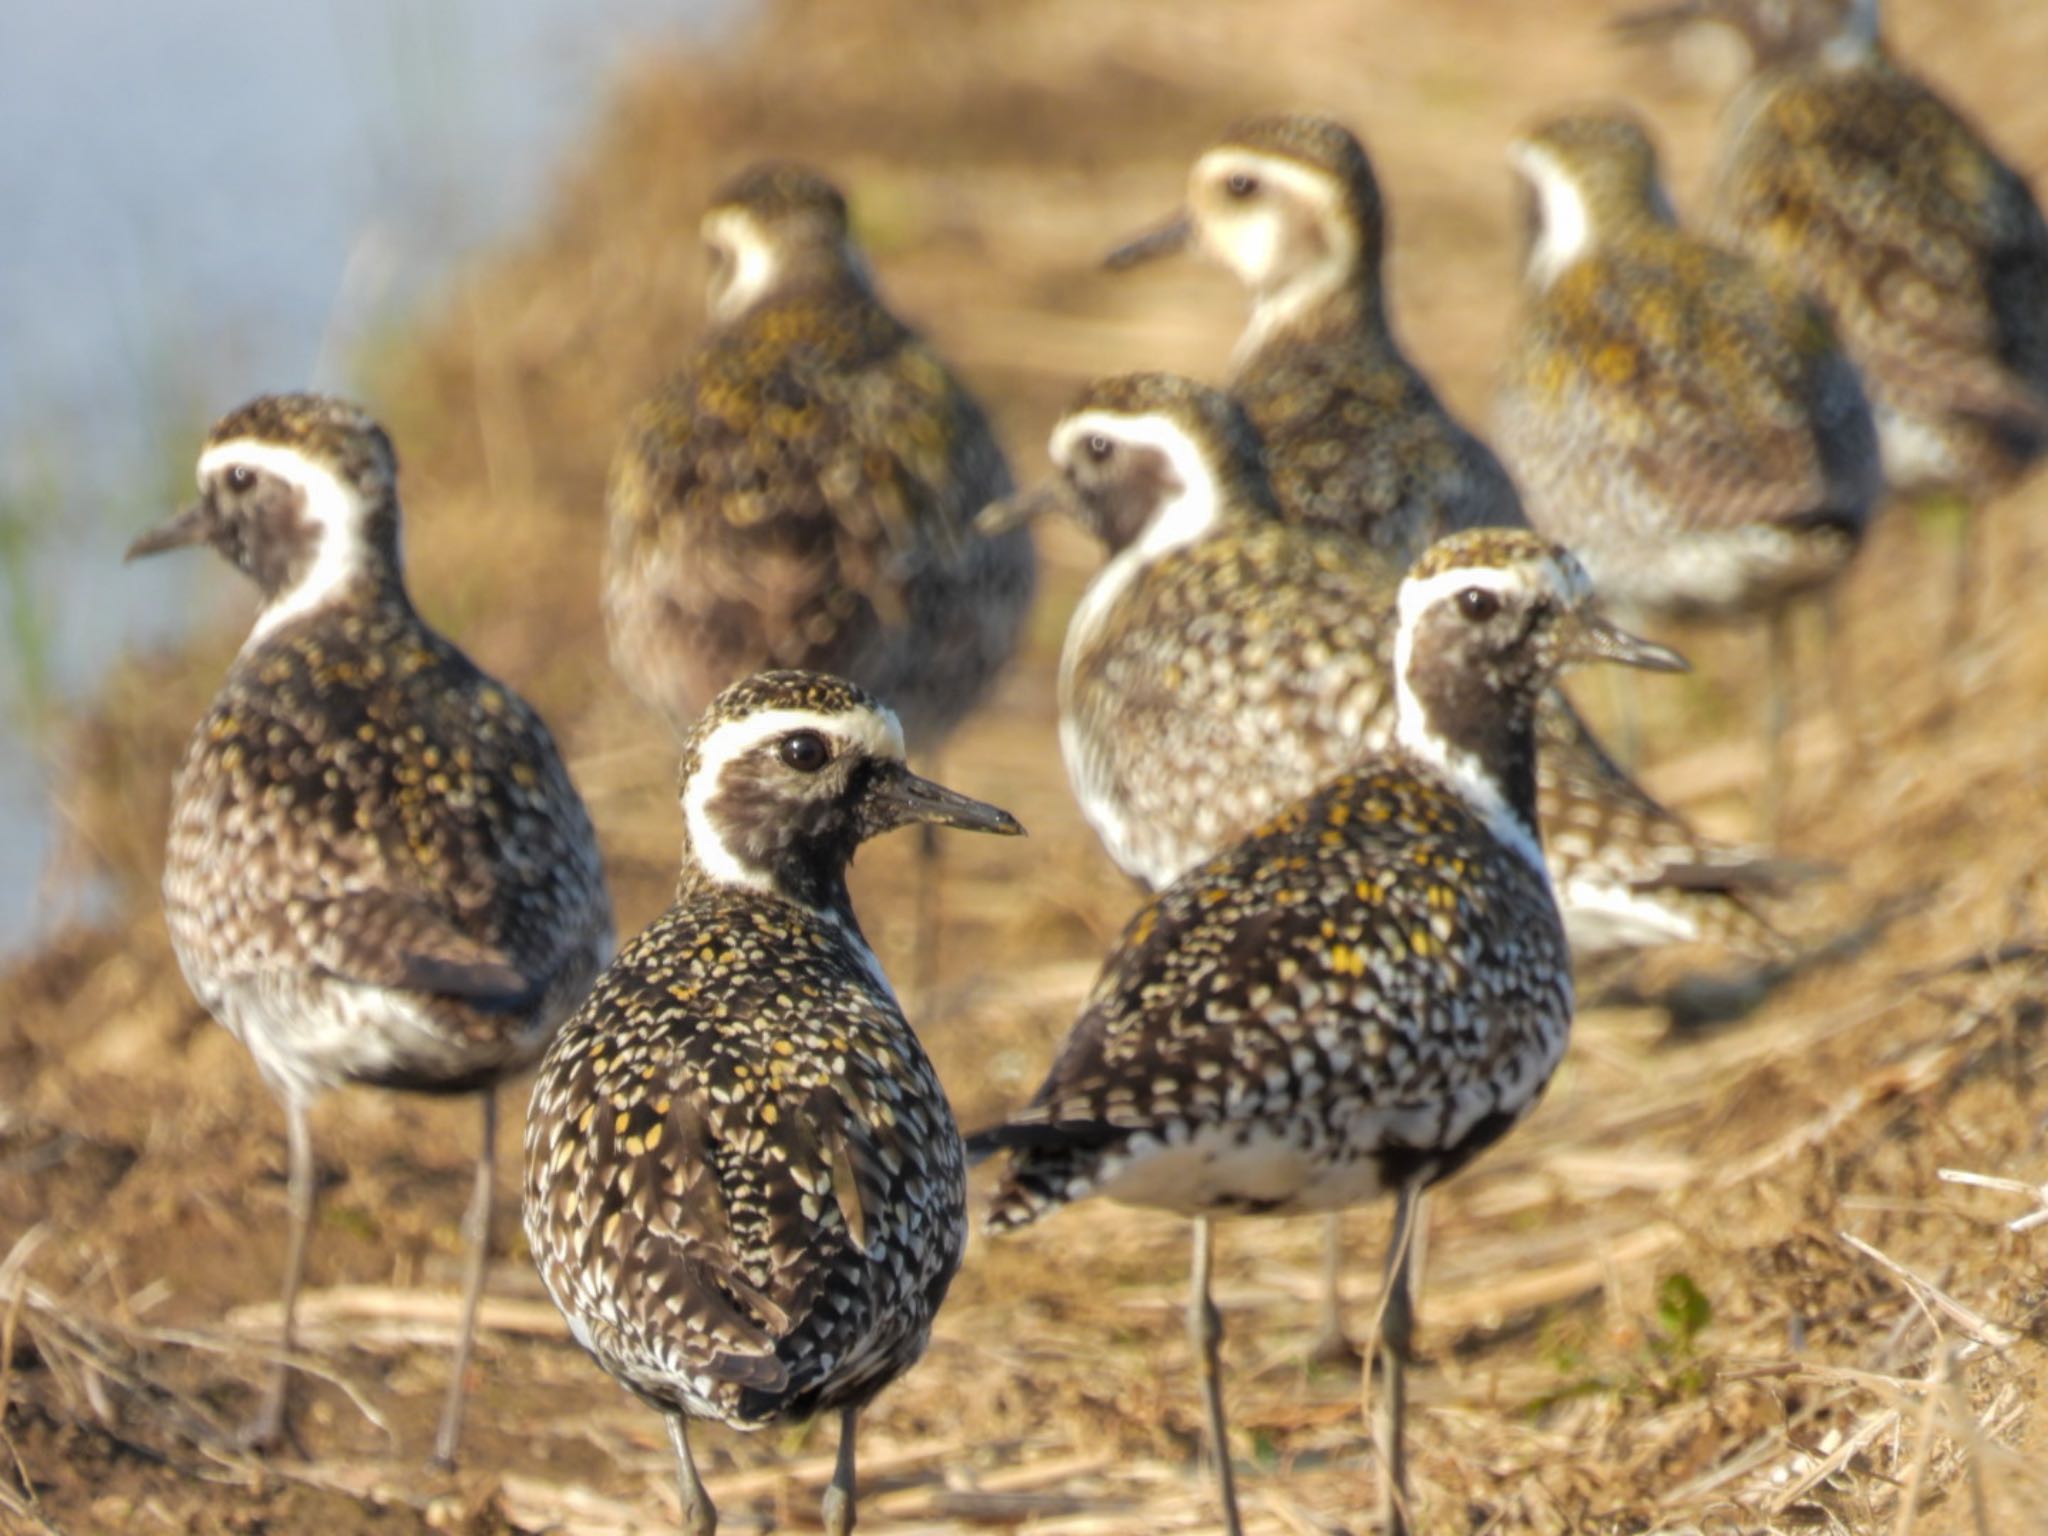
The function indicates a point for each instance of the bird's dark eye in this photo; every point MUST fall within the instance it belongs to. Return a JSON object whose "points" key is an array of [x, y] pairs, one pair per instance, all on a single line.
{"points": [[1478, 604], [805, 751], [1241, 184], [1098, 447], [241, 477]]}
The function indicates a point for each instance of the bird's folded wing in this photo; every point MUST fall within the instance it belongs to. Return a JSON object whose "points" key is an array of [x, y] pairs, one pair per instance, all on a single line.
{"points": [[391, 939]]}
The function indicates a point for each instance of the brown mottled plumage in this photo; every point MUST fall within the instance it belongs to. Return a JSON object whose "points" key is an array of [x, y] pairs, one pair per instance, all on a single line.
{"points": [[1362, 993], [801, 494], [1358, 440], [378, 870], [744, 1187], [1683, 417], [1226, 662], [1847, 171]]}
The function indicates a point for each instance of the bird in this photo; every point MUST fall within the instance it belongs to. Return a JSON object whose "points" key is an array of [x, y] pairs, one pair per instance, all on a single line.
{"points": [[802, 492], [379, 870], [1684, 417], [1358, 441], [1841, 166], [1226, 662], [744, 1187], [1358, 995]]}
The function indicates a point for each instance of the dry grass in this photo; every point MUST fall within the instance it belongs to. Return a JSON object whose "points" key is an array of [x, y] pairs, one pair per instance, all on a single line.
{"points": [[1874, 1356]]}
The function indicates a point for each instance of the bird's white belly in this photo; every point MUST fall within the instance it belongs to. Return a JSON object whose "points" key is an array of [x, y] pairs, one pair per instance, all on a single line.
{"points": [[1711, 574], [1605, 917], [312, 1035], [1281, 1167], [1259, 1167]]}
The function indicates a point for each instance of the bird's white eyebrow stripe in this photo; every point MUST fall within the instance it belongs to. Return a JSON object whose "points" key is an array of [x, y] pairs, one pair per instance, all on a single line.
{"points": [[1144, 429], [753, 257], [876, 730], [1567, 225], [1315, 186], [1418, 593], [1190, 512], [278, 459]]}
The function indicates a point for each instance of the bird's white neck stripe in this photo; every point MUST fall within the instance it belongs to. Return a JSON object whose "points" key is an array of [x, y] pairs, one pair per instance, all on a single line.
{"points": [[332, 506], [754, 265], [1565, 230], [1412, 726], [1186, 516], [874, 731]]}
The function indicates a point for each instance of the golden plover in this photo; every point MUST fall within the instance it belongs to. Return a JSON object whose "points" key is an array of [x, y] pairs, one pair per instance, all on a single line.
{"points": [[1226, 663], [378, 871], [1930, 252], [744, 1187], [1361, 994], [1683, 417], [1358, 439], [802, 493]]}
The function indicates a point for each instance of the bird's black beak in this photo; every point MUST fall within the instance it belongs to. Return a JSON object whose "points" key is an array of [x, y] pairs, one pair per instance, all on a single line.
{"points": [[190, 526], [896, 797], [1022, 507], [1176, 234], [1599, 639]]}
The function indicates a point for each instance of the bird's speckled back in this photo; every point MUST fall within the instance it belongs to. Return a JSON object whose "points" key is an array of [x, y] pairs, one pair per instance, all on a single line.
{"points": [[1929, 251], [744, 1118], [801, 495], [1684, 417], [1371, 958], [362, 808]]}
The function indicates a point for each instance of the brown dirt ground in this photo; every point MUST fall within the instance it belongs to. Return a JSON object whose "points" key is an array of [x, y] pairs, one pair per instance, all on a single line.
{"points": [[994, 149]]}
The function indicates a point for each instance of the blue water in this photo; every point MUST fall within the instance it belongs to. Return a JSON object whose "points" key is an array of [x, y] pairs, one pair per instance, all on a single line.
{"points": [[206, 200]]}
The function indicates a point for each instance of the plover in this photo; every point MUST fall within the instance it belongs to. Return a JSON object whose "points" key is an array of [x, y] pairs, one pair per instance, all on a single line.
{"points": [[379, 871], [1359, 995], [744, 1187], [802, 493], [1844, 168], [1683, 417], [1358, 439], [1226, 662]]}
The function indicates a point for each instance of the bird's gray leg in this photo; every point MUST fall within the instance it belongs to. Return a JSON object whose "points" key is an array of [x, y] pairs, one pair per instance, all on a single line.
{"points": [[700, 1515], [272, 1424], [1841, 678], [1331, 1343], [476, 1237], [837, 1514], [1395, 1331], [1205, 1333]]}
